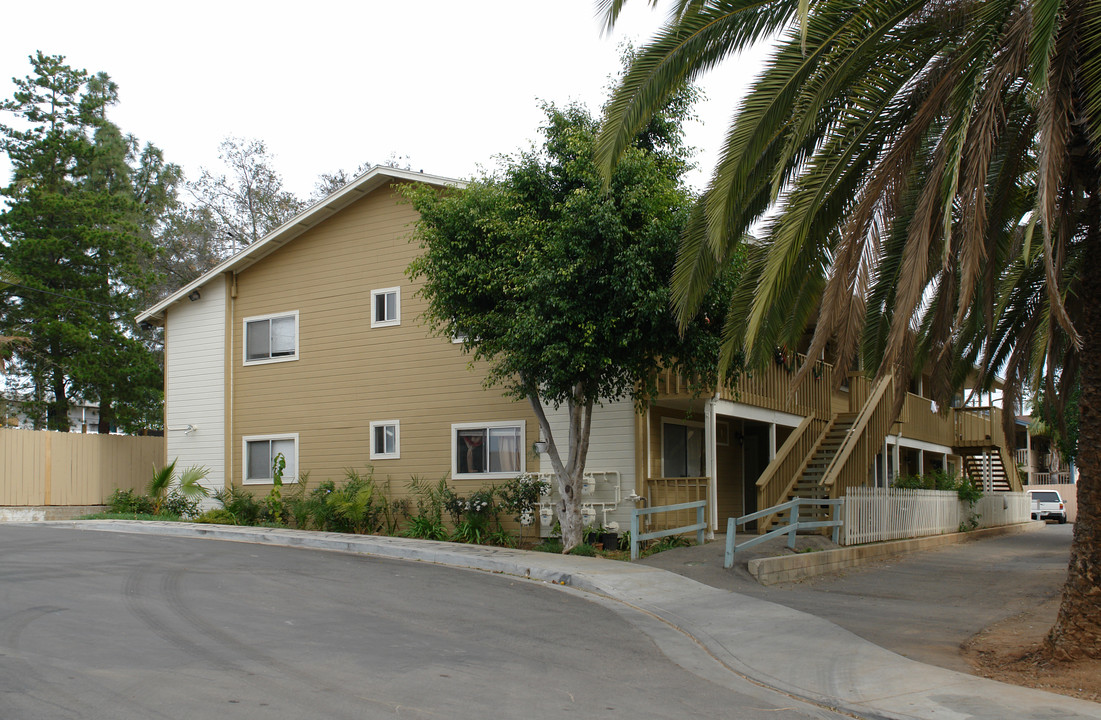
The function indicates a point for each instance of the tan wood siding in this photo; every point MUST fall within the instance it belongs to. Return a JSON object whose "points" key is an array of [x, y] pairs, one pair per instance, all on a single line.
{"points": [[348, 373]]}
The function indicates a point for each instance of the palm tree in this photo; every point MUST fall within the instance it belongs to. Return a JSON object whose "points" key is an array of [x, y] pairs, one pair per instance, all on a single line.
{"points": [[923, 178]]}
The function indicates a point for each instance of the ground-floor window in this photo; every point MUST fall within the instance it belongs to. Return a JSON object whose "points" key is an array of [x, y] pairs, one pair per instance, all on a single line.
{"points": [[385, 440], [683, 449], [487, 449], [260, 452]]}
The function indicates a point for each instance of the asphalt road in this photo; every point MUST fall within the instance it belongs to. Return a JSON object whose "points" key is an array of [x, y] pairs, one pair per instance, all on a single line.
{"points": [[104, 625], [923, 605]]}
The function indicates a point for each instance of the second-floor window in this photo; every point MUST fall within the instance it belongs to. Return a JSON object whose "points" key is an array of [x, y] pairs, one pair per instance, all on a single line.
{"points": [[386, 307], [271, 338]]}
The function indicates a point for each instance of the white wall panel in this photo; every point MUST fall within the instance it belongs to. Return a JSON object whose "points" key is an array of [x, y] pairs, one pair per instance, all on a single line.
{"points": [[195, 356]]}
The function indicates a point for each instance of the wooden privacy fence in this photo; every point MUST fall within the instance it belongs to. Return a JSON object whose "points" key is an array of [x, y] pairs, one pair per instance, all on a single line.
{"points": [[52, 468], [878, 514]]}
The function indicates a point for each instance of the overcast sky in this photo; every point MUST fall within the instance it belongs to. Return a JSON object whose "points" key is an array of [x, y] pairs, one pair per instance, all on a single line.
{"points": [[329, 85]]}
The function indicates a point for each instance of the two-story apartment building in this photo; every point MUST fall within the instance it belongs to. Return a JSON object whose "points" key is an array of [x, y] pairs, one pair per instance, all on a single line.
{"points": [[309, 343]]}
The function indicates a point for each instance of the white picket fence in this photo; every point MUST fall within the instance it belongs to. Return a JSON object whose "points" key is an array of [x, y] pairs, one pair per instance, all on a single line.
{"points": [[877, 514]]}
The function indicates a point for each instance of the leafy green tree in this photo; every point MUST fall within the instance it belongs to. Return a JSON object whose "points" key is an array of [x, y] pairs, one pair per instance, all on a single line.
{"points": [[75, 246], [926, 175], [560, 285]]}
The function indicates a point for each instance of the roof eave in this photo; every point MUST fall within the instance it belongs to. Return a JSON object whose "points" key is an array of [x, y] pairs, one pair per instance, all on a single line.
{"points": [[312, 216]]}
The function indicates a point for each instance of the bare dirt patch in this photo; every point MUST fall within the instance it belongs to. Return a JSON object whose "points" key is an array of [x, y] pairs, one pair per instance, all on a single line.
{"points": [[1009, 651]]}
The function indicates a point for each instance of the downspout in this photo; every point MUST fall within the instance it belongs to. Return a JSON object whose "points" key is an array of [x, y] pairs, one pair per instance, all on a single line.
{"points": [[231, 319]]}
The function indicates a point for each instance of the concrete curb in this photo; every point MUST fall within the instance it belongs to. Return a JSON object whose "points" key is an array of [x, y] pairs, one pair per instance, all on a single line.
{"points": [[802, 655], [800, 566], [40, 513]]}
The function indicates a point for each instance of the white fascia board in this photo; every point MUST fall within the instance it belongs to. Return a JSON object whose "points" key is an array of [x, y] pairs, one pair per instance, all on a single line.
{"points": [[756, 414], [300, 223], [919, 445]]}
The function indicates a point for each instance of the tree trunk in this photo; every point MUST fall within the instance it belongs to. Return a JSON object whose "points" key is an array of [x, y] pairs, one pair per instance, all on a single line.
{"points": [[57, 412], [1077, 630], [106, 417], [569, 473]]}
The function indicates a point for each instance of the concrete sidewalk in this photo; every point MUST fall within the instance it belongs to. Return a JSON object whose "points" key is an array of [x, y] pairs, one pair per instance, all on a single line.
{"points": [[782, 648]]}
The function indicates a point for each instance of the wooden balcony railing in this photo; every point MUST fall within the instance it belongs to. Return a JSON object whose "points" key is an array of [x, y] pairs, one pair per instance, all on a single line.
{"points": [[919, 422], [978, 427], [674, 491], [769, 388]]}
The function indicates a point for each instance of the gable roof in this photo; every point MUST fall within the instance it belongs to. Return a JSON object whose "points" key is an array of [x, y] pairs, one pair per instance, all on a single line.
{"points": [[312, 216]]}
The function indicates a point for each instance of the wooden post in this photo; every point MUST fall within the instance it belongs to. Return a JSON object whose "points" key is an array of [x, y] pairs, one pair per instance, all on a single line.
{"points": [[634, 533], [731, 535], [49, 470]]}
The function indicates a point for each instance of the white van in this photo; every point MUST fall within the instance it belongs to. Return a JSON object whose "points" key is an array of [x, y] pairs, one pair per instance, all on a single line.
{"points": [[1048, 505]]}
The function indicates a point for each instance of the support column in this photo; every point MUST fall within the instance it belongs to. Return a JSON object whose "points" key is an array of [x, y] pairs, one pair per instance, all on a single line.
{"points": [[1028, 456], [886, 463], [771, 442], [898, 465], [921, 462], [711, 428]]}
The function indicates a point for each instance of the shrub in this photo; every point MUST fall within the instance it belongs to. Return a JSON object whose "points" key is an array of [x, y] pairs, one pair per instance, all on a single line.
{"points": [[520, 496], [217, 516], [128, 501], [429, 499], [477, 518], [360, 506], [180, 505], [240, 504]]}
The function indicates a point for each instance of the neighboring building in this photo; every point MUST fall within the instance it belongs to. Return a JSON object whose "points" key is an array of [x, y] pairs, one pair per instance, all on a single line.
{"points": [[1037, 460], [309, 343], [83, 416]]}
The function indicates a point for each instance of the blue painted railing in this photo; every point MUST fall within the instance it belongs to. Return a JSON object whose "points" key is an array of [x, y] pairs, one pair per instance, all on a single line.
{"points": [[793, 525], [637, 537]]}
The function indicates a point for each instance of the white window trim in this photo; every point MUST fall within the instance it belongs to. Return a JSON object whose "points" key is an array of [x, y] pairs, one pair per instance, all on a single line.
{"points": [[268, 360], [397, 309], [455, 427], [290, 474], [382, 455], [675, 421]]}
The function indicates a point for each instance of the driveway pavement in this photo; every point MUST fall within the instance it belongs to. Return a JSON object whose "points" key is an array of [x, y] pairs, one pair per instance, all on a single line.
{"points": [[805, 656], [923, 605], [125, 627]]}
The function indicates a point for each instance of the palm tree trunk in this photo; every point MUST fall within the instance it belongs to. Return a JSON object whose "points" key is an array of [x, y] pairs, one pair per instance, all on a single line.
{"points": [[1077, 630]]}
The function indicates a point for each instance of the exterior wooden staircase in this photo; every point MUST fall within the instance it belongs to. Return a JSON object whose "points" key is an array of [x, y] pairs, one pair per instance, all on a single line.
{"points": [[987, 471], [839, 458], [809, 485]]}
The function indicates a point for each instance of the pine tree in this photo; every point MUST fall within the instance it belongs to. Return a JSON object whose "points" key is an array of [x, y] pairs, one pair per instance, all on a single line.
{"points": [[75, 241]]}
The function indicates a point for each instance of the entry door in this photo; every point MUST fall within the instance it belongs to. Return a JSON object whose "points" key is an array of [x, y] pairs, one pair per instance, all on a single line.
{"points": [[755, 460]]}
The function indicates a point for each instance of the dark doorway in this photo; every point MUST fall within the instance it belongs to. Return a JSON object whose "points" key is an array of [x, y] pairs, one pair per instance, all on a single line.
{"points": [[755, 460]]}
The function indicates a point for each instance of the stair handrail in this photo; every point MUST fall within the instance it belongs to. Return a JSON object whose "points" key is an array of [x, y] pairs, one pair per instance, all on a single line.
{"points": [[784, 451], [1011, 475], [829, 477], [789, 444]]}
